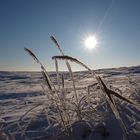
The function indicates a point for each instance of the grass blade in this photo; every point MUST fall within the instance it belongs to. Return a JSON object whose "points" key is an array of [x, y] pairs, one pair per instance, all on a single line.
{"points": [[42, 67], [67, 64], [32, 54]]}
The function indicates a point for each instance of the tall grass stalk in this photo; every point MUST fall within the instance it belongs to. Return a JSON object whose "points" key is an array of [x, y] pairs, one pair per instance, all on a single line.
{"points": [[67, 64], [49, 84], [57, 74], [41, 65]]}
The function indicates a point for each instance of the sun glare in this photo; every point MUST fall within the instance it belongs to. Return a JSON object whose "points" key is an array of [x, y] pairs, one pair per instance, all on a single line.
{"points": [[91, 42]]}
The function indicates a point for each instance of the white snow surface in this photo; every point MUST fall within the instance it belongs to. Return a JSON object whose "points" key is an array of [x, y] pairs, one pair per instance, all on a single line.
{"points": [[22, 91]]}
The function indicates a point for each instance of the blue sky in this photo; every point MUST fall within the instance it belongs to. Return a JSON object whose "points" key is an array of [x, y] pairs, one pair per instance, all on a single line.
{"points": [[29, 23]]}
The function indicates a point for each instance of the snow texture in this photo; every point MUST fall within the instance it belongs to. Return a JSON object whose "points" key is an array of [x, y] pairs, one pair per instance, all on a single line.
{"points": [[23, 92]]}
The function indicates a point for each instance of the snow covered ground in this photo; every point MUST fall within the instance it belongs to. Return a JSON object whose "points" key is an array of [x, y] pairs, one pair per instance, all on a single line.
{"points": [[23, 98]]}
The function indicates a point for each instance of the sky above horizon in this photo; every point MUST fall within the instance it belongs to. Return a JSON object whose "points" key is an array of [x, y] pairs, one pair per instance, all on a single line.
{"points": [[29, 23]]}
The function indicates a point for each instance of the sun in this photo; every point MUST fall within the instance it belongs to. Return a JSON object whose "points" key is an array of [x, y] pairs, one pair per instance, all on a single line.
{"points": [[91, 42]]}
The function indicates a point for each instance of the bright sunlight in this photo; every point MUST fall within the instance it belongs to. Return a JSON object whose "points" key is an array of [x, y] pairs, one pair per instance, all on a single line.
{"points": [[91, 42]]}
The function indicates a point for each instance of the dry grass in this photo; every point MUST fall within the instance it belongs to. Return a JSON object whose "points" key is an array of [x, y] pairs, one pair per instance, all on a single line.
{"points": [[67, 110], [64, 112]]}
